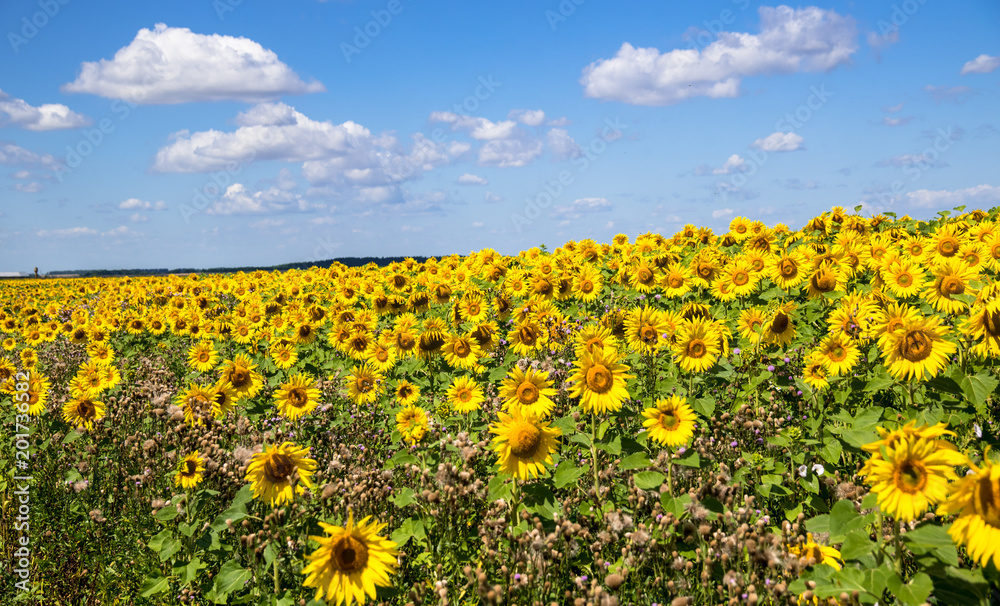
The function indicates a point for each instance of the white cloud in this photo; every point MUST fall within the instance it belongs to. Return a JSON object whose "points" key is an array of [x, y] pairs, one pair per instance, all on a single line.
{"points": [[29, 188], [509, 153], [137, 204], [983, 64], [478, 128], [982, 196], [528, 117], [901, 121], [238, 200], [722, 212], [790, 40], [175, 65], [561, 145], [477, 224], [267, 223], [563, 121], [470, 179], [65, 233], [49, 116], [582, 206], [492, 197], [21, 174], [733, 164], [908, 160], [323, 221], [138, 218], [121, 231], [12, 154], [779, 142], [895, 108]]}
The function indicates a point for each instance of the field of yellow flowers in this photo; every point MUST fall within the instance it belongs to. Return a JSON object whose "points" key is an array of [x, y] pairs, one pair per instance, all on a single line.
{"points": [[766, 416]]}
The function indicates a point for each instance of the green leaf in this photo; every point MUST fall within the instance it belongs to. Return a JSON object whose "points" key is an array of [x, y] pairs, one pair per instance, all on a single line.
{"points": [[674, 505], [401, 458], [72, 436], [978, 388], [649, 480], [237, 509], [231, 577], [704, 406], [499, 488], [539, 500], [269, 554], [153, 585], [915, 592], [689, 459], [189, 572], [404, 498], [567, 473], [638, 460], [932, 538], [831, 451], [856, 546], [156, 543], [169, 547]]}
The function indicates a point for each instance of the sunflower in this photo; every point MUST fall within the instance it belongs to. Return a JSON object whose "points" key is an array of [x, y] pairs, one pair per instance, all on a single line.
{"points": [[203, 357], [525, 337], [751, 324], [588, 284], [29, 358], [412, 424], [406, 393], [7, 371], [381, 355], [697, 345], [284, 355], [198, 404], [523, 444], [432, 338], [364, 384], [838, 354], [101, 353], [912, 475], [976, 500], [811, 553], [951, 277], [825, 278], [814, 372], [224, 398], [670, 422], [946, 242], [38, 394], [463, 352], [918, 348], [984, 325], [528, 390], [599, 381], [297, 397], [190, 472], [465, 395], [593, 337], [739, 228], [485, 334], [904, 279], [240, 373], [350, 561], [677, 280], [642, 276], [779, 328], [82, 411], [280, 472], [646, 329], [89, 379], [740, 277]]}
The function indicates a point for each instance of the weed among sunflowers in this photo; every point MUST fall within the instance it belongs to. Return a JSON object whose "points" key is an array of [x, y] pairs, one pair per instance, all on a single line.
{"points": [[764, 416]]}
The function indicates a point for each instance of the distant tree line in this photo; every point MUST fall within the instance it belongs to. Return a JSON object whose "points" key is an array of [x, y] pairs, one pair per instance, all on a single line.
{"points": [[348, 261]]}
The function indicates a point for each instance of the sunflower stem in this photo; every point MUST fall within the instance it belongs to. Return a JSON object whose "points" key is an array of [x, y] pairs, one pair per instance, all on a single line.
{"points": [[277, 580], [898, 564], [670, 471], [593, 454]]}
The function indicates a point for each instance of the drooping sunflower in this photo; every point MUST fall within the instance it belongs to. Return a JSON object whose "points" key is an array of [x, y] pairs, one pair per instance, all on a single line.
{"points": [[465, 395], [599, 381], [190, 472], [671, 422], [825, 278], [838, 354], [697, 345], [297, 397], [463, 352], [528, 390], [818, 554], [202, 356], [646, 329], [976, 500], [240, 373], [406, 393], [412, 424], [912, 475], [526, 337], [274, 471], [364, 384], [432, 338], [524, 444], [82, 411], [350, 561], [918, 348], [780, 327]]}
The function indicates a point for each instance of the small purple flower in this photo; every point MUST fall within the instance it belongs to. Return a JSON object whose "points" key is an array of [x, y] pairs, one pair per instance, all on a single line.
{"points": [[736, 350], [787, 360], [770, 368], [734, 443], [517, 577]]}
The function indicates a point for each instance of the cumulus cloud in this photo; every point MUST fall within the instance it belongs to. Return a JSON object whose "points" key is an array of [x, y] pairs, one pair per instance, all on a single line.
{"points": [[509, 153], [580, 207], [561, 145], [49, 116], [138, 218], [722, 212], [492, 197], [66, 233], [983, 64], [238, 200], [790, 40], [779, 142], [12, 154], [175, 65], [478, 128], [29, 188], [528, 117], [120, 232], [982, 196], [137, 204], [895, 108], [470, 179], [733, 164]]}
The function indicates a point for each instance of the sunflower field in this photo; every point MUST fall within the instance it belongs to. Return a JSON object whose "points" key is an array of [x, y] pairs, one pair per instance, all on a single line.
{"points": [[766, 416]]}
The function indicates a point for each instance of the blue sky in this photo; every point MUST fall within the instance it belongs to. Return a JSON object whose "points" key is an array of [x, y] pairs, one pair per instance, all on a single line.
{"points": [[206, 134]]}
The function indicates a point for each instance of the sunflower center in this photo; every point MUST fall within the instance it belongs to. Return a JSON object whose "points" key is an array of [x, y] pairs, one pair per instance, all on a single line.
{"points": [[915, 346], [364, 384], [85, 409], [904, 280], [349, 554], [526, 335], [696, 349], [645, 276], [462, 349], [190, 468], [780, 323], [524, 439], [837, 353], [431, 342], [474, 309], [382, 355], [991, 323], [404, 392], [987, 502], [823, 281], [648, 334], [298, 397], [405, 341], [910, 477], [948, 247], [527, 393], [599, 379], [239, 378], [705, 270], [586, 287], [204, 357], [277, 468], [951, 285], [740, 278], [675, 281], [669, 420], [464, 395]]}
